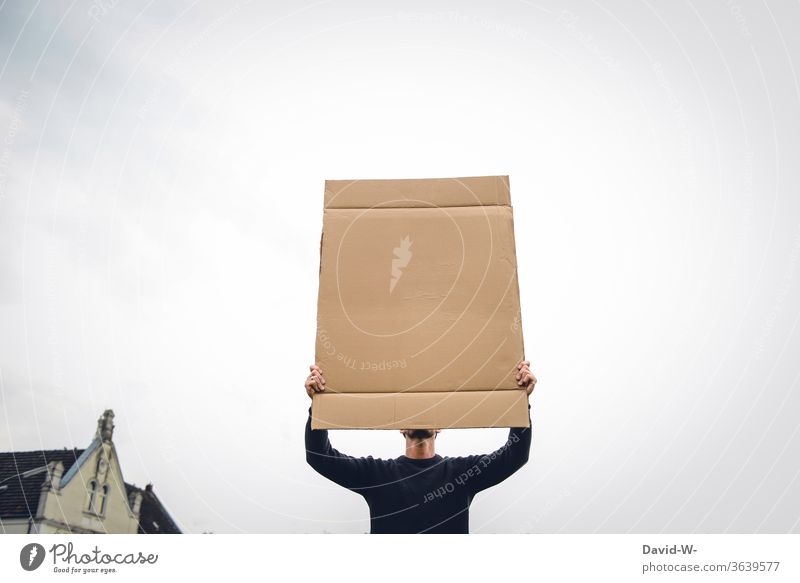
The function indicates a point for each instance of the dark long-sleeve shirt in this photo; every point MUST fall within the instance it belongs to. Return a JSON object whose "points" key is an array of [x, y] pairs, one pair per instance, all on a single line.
{"points": [[408, 495]]}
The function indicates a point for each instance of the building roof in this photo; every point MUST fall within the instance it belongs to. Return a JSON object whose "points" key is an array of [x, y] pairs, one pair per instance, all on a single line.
{"points": [[153, 517], [70, 472], [22, 474]]}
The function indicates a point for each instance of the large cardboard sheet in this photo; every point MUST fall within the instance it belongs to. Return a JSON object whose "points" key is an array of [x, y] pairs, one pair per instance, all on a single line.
{"points": [[418, 322]]}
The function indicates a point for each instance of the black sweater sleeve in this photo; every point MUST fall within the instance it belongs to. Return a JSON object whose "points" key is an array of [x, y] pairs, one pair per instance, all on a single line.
{"points": [[485, 471], [351, 472]]}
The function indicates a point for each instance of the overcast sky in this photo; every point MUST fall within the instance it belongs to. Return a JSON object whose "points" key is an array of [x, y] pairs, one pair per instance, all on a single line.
{"points": [[161, 180]]}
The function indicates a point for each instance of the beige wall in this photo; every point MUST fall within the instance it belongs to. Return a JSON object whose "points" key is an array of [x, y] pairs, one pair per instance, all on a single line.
{"points": [[69, 504]]}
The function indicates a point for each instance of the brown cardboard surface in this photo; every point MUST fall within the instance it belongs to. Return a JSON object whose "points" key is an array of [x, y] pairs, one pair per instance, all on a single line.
{"points": [[420, 410], [418, 319]]}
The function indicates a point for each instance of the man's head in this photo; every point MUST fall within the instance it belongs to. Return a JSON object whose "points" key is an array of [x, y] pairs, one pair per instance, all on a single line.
{"points": [[420, 443], [419, 434]]}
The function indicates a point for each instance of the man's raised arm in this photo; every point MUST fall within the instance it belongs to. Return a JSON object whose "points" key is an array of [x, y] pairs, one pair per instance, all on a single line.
{"points": [[485, 471], [350, 472]]}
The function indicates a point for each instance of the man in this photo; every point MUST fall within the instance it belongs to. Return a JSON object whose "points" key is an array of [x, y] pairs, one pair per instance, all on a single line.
{"points": [[421, 491]]}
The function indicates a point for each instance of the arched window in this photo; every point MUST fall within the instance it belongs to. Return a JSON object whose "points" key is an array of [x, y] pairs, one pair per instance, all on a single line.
{"points": [[103, 499], [92, 490]]}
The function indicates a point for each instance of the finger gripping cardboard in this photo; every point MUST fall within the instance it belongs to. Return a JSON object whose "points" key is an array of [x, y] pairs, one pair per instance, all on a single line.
{"points": [[418, 315]]}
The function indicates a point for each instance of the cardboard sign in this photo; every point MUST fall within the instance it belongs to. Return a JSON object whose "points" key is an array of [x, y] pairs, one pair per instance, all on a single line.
{"points": [[418, 321]]}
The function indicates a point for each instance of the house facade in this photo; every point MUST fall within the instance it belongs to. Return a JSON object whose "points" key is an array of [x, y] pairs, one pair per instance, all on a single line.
{"points": [[77, 491]]}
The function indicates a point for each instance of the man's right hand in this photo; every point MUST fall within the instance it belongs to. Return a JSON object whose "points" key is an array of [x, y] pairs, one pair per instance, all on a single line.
{"points": [[315, 383], [525, 377]]}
